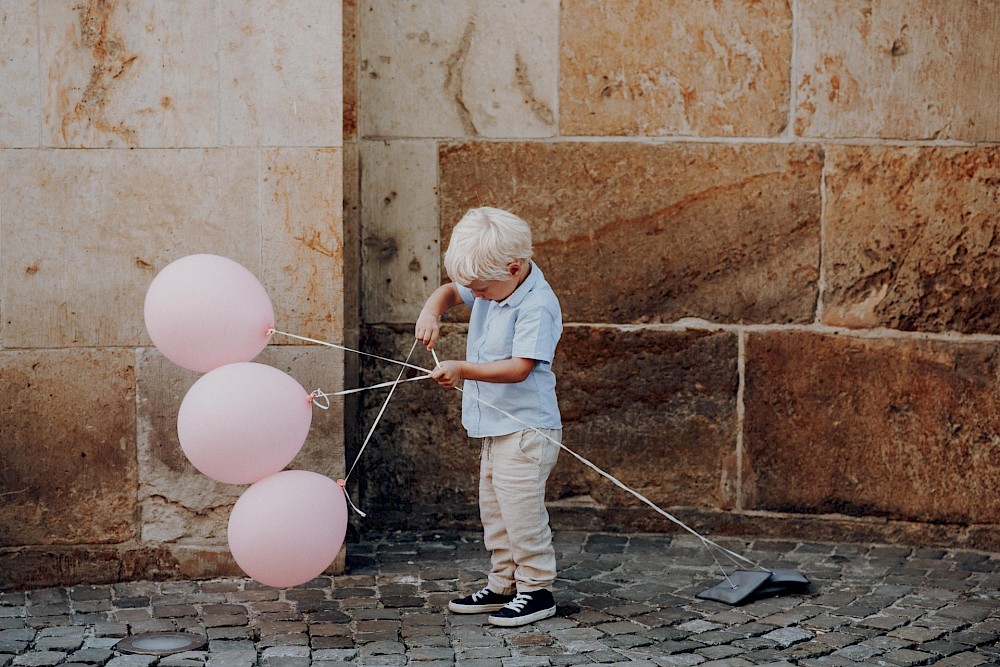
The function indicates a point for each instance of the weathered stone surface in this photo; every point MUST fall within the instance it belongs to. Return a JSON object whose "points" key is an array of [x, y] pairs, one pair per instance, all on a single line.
{"points": [[186, 561], [85, 232], [352, 286], [419, 453], [630, 232], [180, 504], [68, 447], [655, 408], [35, 567], [352, 242], [350, 63], [869, 427], [21, 107], [29, 567], [303, 240], [910, 238], [897, 70], [400, 252], [435, 69], [129, 74], [654, 68], [280, 73]]}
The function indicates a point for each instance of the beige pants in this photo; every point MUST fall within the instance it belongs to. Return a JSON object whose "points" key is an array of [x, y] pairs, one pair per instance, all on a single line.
{"points": [[512, 475]]}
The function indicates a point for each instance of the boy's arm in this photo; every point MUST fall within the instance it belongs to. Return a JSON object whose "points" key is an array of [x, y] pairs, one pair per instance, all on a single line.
{"points": [[428, 327], [451, 373]]}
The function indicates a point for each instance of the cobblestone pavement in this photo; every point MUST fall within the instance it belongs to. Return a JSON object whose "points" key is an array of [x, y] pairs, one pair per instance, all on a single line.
{"points": [[623, 600]]}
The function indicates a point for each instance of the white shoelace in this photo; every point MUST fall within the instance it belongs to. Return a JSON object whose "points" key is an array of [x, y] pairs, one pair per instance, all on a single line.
{"points": [[481, 594], [517, 604]]}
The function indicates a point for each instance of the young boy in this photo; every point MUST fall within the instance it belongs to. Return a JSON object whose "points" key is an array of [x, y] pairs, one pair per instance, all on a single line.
{"points": [[513, 330]]}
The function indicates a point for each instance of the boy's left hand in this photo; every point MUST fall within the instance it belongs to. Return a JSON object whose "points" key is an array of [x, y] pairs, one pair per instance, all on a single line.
{"points": [[448, 374], [427, 329]]}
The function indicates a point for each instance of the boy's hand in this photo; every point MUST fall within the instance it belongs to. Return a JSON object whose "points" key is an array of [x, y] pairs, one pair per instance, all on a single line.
{"points": [[428, 329], [448, 374]]}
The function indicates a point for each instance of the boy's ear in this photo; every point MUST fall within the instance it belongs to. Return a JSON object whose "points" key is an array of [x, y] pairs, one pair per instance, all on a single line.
{"points": [[516, 268]]}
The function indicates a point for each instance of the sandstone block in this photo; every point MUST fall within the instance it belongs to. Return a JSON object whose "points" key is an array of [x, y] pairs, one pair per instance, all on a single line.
{"points": [[85, 233], [655, 68], [872, 427], [303, 240], [68, 449], [399, 229], [910, 238], [898, 69], [19, 126], [656, 409], [448, 68], [631, 233], [280, 74], [130, 74]]}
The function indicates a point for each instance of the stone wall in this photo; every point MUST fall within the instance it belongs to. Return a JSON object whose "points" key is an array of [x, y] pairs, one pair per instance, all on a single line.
{"points": [[773, 229], [133, 133]]}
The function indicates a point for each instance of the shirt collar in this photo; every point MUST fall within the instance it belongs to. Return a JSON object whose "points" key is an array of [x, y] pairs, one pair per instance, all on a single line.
{"points": [[518, 295]]}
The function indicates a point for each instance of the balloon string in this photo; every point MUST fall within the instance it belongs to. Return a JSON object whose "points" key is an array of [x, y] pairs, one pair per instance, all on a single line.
{"points": [[342, 483], [707, 543], [348, 349], [377, 419], [319, 393]]}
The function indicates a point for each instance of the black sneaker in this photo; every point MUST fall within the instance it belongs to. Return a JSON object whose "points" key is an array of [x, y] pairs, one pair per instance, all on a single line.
{"points": [[479, 602], [525, 608]]}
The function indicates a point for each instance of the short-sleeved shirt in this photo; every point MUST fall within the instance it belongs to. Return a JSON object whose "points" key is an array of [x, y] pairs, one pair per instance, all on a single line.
{"points": [[527, 324]]}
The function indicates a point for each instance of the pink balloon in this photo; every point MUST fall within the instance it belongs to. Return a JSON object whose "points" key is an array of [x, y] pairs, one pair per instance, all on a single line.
{"points": [[287, 528], [205, 311], [242, 422]]}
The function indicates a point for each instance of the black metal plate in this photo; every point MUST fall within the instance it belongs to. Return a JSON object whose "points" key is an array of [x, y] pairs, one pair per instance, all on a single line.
{"points": [[788, 577], [738, 588]]}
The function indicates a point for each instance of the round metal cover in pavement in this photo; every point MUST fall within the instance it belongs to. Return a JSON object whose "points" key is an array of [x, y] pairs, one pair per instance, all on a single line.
{"points": [[160, 643]]}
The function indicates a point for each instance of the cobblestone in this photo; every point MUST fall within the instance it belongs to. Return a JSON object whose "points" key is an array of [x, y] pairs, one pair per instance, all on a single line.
{"points": [[622, 600]]}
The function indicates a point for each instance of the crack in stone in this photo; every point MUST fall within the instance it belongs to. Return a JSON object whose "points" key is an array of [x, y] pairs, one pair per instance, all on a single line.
{"points": [[454, 67]]}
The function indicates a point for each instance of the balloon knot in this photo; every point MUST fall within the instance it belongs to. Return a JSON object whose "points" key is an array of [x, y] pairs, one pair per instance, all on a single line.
{"points": [[314, 399], [270, 331], [342, 483]]}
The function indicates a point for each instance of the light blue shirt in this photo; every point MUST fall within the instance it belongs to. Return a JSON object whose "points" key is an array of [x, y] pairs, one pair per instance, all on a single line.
{"points": [[526, 324]]}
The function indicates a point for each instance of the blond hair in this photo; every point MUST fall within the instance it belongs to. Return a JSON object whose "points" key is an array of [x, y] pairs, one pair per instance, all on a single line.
{"points": [[484, 243]]}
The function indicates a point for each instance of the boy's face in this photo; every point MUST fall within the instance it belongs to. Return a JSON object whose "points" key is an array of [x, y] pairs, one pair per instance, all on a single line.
{"points": [[498, 290]]}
